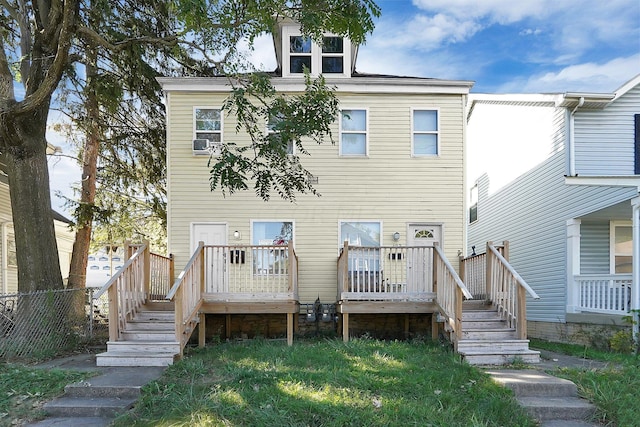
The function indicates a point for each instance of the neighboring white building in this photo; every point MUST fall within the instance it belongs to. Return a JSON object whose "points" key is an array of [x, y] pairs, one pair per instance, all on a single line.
{"points": [[567, 200], [103, 264]]}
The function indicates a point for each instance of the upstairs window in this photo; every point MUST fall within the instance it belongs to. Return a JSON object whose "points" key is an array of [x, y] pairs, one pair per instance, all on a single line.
{"points": [[272, 128], [353, 133], [300, 54], [332, 55], [425, 133]]}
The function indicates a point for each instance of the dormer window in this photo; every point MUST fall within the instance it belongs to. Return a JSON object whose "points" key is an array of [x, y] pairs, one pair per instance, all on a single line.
{"points": [[301, 52]]}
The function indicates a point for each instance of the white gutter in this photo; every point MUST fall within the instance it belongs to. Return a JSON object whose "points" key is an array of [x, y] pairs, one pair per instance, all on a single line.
{"points": [[635, 283], [572, 138]]}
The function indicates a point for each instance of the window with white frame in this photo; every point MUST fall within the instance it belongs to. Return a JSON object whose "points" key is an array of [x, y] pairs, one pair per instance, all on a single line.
{"points": [[271, 233], [425, 133], [353, 132], [208, 126], [329, 56], [12, 259], [365, 234], [272, 128], [473, 204], [621, 248]]}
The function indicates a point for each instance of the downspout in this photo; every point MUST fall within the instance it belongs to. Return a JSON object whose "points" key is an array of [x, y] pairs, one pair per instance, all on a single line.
{"points": [[635, 283], [572, 139]]}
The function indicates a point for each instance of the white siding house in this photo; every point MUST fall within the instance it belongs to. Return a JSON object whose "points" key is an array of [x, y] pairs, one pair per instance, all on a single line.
{"points": [[394, 175], [567, 200]]}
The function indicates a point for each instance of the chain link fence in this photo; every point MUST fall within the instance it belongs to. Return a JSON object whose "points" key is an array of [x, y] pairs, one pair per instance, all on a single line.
{"points": [[45, 324]]}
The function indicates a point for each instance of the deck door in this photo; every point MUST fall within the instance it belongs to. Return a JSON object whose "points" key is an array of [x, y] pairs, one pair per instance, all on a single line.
{"points": [[212, 234], [420, 256]]}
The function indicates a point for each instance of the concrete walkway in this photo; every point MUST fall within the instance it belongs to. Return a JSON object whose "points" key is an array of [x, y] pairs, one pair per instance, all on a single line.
{"points": [[552, 401], [98, 400]]}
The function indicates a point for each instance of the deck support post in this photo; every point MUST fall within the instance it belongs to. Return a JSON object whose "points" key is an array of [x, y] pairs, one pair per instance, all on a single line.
{"points": [[489, 271], [147, 270], [345, 327], [227, 327], [406, 326], [434, 326], [202, 337], [289, 329]]}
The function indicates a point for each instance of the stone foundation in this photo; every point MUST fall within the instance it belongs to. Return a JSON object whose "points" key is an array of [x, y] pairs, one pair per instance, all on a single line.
{"points": [[590, 330]]}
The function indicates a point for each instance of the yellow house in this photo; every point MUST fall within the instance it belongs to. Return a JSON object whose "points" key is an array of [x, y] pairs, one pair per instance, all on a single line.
{"points": [[392, 190]]}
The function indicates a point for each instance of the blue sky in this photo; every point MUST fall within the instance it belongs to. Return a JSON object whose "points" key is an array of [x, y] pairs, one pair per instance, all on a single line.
{"points": [[509, 46], [505, 46]]}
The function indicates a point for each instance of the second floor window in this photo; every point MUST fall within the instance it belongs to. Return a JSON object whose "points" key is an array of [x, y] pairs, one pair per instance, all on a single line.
{"points": [[425, 133], [272, 129], [208, 124], [353, 133], [332, 55], [300, 54]]}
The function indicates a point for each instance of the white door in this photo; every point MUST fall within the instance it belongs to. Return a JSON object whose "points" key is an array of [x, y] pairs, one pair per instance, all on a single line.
{"points": [[215, 258], [420, 256]]}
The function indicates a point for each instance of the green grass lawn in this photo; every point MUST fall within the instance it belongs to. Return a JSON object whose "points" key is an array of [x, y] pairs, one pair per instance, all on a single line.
{"points": [[614, 390], [325, 383]]}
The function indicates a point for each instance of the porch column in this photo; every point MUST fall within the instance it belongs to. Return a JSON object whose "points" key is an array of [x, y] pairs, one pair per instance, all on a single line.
{"points": [[635, 285], [573, 264]]}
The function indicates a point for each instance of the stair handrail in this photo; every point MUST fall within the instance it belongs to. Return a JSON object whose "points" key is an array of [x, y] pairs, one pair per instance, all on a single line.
{"points": [[126, 290], [449, 298], [507, 290], [186, 294]]}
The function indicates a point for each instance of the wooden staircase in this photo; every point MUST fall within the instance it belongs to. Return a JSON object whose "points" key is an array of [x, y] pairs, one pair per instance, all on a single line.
{"points": [[149, 339], [488, 340]]}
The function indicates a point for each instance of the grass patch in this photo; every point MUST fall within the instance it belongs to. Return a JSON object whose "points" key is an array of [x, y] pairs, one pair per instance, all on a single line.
{"points": [[325, 383], [614, 390], [23, 390]]}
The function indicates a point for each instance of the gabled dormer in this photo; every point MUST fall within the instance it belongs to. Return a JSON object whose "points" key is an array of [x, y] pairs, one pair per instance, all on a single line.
{"points": [[334, 56]]}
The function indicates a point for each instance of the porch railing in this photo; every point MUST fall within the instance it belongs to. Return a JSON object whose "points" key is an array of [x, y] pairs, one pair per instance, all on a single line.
{"points": [[126, 291], [262, 271], [385, 273], [186, 294], [604, 293], [507, 290], [450, 292], [473, 271]]}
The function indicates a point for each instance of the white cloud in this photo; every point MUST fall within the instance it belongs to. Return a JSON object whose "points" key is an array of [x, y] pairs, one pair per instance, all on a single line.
{"points": [[586, 77], [500, 11]]}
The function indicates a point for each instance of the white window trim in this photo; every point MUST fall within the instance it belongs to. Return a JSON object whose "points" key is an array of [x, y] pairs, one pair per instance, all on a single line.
{"points": [[342, 221], [292, 221], [366, 132], [438, 132], [193, 121], [612, 243], [316, 54], [269, 131], [473, 203]]}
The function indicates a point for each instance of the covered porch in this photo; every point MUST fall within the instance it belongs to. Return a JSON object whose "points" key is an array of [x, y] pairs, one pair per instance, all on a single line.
{"points": [[603, 259]]}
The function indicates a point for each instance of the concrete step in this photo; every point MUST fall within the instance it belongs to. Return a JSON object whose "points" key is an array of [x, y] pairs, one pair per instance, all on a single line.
{"points": [[86, 389], [72, 421], [490, 357], [557, 408], [88, 406], [489, 334], [493, 345], [144, 346], [113, 358], [148, 336], [531, 383]]}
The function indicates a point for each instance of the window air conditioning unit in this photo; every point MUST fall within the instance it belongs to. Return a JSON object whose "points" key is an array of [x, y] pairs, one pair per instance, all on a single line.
{"points": [[206, 147]]}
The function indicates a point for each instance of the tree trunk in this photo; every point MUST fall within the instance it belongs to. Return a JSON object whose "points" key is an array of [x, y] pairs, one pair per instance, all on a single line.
{"points": [[84, 219], [27, 169]]}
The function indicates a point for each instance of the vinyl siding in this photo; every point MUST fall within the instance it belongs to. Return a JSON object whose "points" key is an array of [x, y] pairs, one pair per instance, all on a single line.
{"points": [[531, 213], [594, 247], [604, 140], [388, 185]]}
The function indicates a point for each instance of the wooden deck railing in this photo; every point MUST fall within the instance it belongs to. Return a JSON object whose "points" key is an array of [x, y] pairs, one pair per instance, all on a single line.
{"points": [[473, 271], [186, 294], [450, 292], [127, 290], [604, 293], [507, 290], [251, 272]]}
